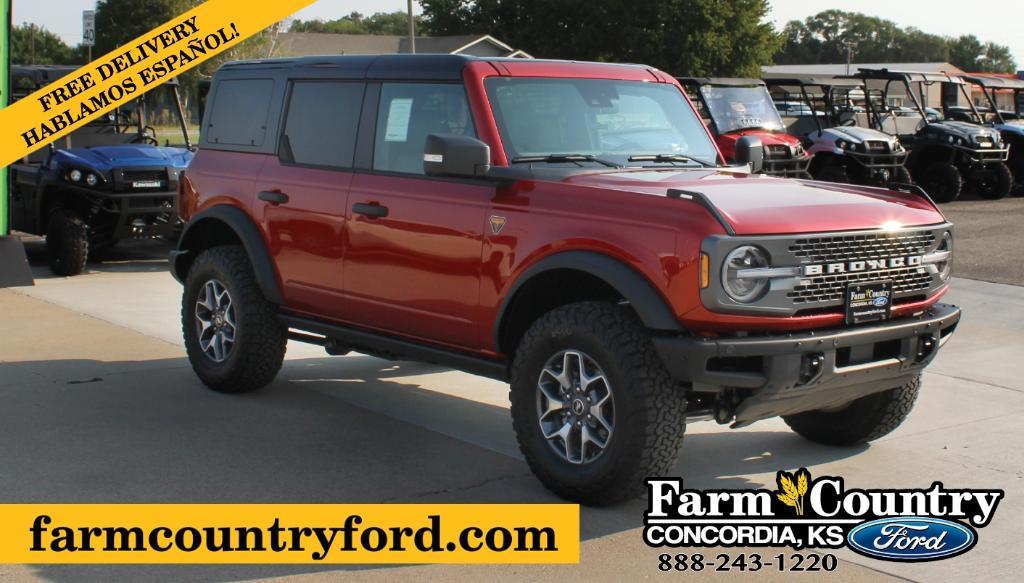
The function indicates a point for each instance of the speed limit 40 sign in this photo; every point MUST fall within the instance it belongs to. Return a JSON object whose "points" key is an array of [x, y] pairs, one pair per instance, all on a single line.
{"points": [[89, 28]]}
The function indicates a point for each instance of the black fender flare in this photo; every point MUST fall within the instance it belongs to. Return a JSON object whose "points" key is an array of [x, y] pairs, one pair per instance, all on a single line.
{"points": [[653, 309], [246, 231]]}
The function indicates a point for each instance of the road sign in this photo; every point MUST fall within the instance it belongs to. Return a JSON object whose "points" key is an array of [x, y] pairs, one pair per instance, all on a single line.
{"points": [[89, 28]]}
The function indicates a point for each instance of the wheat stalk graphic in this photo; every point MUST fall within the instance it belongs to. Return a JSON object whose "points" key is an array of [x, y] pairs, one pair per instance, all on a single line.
{"points": [[792, 489]]}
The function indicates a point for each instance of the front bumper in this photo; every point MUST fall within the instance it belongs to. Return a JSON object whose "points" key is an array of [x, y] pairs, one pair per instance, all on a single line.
{"points": [[794, 167], [791, 373]]}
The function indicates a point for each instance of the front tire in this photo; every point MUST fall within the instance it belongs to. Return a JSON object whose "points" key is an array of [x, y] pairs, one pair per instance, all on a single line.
{"points": [[833, 173], [67, 242], [1017, 169], [233, 338], [861, 421], [993, 182], [942, 182], [595, 451]]}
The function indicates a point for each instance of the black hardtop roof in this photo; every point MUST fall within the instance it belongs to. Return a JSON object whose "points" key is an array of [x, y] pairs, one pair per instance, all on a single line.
{"points": [[390, 66], [822, 81], [724, 81], [913, 76], [994, 82]]}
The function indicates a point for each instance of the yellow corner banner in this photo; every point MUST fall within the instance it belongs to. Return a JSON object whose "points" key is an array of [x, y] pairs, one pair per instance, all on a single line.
{"points": [[289, 533], [129, 71]]}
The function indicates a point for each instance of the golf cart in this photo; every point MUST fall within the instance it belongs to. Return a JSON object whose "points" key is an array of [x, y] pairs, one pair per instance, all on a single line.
{"points": [[734, 108], [1009, 123], [842, 150], [945, 156], [109, 180]]}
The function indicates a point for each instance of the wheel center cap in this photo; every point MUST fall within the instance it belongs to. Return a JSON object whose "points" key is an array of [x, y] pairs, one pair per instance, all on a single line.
{"points": [[578, 407]]}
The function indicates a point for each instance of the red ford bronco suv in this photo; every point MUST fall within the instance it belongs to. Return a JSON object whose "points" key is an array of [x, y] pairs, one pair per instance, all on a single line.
{"points": [[568, 227]]}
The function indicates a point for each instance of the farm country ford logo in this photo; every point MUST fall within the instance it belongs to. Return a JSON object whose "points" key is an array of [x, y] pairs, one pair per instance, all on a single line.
{"points": [[902, 524]]}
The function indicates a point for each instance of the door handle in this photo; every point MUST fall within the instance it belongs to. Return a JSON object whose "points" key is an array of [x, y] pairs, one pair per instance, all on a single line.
{"points": [[370, 209], [274, 198]]}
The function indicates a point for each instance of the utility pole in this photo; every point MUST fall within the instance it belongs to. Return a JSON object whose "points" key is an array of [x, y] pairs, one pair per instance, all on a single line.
{"points": [[849, 54], [412, 30]]}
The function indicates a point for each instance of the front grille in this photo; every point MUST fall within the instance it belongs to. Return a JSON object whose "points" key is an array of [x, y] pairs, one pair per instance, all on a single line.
{"points": [[861, 247], [777, 152], [875, 147], [131, 176]]}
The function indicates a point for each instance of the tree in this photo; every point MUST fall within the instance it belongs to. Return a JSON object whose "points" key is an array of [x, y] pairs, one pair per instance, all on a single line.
{"points": [[34, 45], [684, 37], [120, 21], [824, 38], [394, 23]]}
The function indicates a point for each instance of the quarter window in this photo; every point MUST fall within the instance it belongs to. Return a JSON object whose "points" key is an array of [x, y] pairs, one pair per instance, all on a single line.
{"points": [[409, 112], [323, 117]]}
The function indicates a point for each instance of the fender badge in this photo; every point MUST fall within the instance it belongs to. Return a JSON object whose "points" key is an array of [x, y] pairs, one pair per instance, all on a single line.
{"points": [[497, 224]]}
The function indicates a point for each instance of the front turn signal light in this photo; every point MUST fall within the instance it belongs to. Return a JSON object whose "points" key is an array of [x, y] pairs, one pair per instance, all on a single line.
{"points": [[705, 270]]}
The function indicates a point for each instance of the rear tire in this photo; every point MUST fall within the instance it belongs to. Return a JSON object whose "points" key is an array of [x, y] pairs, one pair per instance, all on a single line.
{"points": [[67, 242], [233, 338], [863, 420], [641, 432], [1017, 169], [942, 181], [993, 182], [832, 173]]}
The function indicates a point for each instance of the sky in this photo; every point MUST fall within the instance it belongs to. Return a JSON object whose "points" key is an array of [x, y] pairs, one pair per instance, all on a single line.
{"points": [[989, 22]]}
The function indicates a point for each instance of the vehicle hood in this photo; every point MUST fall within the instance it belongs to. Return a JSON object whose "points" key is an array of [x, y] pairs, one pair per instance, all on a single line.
{"points": [[857, 134], [755, 204], [727, 142], [962, 129], [106, 158]]}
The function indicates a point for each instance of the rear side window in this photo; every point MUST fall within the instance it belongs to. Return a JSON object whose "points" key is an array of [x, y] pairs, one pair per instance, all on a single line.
{"points": [[240, 110], [409, 112], [321, 125]]}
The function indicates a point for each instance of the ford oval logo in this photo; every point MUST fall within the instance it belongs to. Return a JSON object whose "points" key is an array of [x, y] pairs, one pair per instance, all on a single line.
{"points": [[911, 538], [880, 301]]}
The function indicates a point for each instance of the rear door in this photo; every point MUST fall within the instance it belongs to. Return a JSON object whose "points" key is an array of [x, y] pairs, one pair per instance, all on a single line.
{"points": [[412, 266], [303, 192]]}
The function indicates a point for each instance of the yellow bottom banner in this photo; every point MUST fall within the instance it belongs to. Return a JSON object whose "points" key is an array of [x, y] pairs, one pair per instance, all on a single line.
{"points": [[289, 533]]}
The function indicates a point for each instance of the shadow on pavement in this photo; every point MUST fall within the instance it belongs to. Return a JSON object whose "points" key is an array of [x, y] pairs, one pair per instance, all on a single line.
{"points": [[330, 430], [132, 256]]}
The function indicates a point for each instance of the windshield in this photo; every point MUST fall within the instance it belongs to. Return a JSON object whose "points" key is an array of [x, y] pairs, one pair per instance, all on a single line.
{"points": [[606, 119], [737, 108]]}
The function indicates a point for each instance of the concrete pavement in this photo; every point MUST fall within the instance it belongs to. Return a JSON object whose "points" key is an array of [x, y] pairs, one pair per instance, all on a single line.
{"points": [[99, 404]]}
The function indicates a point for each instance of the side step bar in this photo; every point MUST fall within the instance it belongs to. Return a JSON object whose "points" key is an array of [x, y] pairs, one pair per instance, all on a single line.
{"points": [[390, 345]]}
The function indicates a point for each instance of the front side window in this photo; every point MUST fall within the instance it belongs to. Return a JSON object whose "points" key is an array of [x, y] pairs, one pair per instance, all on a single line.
{"points": [[321, 125], [737, 108], [607, 119], [240, 110], [408, 113]]}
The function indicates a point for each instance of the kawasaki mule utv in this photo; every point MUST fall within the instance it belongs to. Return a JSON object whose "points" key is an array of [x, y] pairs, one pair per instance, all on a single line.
{"points": [[842, 150], [734, 108], [1010, 123], [945, 156], [107, 181]]}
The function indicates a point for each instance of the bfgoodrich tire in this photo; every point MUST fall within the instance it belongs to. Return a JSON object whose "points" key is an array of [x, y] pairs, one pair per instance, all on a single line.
{"points": [[595, 451], [67, 242], [942, 181], [232, 336], [863, 420]]}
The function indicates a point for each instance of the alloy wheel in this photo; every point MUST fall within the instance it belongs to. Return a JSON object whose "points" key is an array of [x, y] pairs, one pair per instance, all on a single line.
{"points": [[575, 407], [215, 320]]}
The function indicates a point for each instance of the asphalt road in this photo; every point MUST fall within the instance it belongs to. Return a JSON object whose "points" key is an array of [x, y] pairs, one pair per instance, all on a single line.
{"points": [[100, 405], [989, 238]]}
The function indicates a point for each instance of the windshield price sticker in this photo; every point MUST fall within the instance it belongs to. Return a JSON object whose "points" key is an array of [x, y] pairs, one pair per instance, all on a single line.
{"points": [[807, 514]]}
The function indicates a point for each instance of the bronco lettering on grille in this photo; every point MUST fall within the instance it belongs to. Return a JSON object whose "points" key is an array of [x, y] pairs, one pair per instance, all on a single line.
{"points": [[864, 265]]}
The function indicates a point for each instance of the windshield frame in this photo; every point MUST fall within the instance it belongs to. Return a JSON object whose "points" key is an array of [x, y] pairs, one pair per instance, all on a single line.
{"points": [[713, 113], [710, 156]]}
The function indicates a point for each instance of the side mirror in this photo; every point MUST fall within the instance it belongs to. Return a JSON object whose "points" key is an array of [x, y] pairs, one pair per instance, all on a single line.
{"points": [[750, 152], [454, 155]]}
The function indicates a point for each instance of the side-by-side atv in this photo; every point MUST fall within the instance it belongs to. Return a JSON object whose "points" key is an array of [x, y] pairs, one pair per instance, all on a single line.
{"points": [[1010, 123], [107, 181], [946, 157], [827, 122], [735, 108]]}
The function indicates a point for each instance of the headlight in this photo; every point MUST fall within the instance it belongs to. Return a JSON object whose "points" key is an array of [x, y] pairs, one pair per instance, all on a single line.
{"points": [[91, 179], [75, 175], [744, 289], [946, 267]]}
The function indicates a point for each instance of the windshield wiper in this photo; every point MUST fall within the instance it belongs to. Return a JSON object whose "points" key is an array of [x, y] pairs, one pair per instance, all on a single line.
{"points": [[556, 158], [671, 158]]}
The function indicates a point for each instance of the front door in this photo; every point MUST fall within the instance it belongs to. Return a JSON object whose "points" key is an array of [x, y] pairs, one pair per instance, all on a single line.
{"points": [[412, 265], [304, 192]]}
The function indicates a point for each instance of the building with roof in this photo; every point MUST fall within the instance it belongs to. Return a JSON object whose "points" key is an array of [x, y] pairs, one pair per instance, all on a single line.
{"points": [[297, 44]]}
